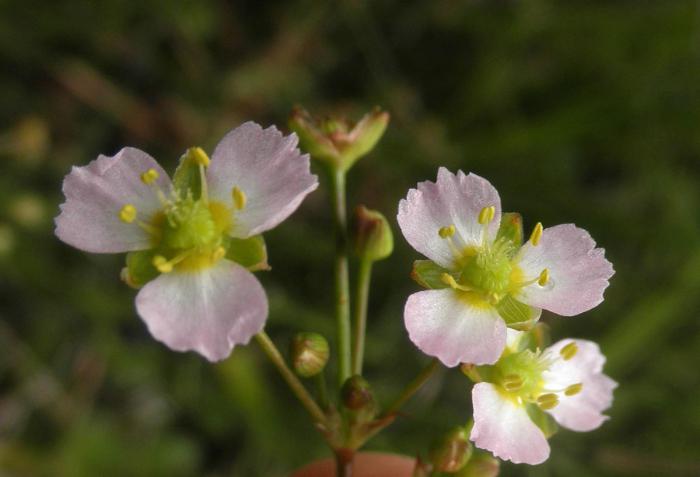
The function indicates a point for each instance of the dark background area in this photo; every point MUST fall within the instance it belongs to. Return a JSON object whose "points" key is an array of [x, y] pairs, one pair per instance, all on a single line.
{"points": [[579, 111]]}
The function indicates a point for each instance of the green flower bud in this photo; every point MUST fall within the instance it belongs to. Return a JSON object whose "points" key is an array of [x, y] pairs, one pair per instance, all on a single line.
{"points": [[335, 140], [481, 464], [452, 452], [309, 352], [372, 236], [356, 394]]}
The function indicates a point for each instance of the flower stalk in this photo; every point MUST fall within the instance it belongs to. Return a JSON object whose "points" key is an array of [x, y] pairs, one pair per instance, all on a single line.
{"points": [[342, 280], [412, 387], [295, 385], [364, 277]]}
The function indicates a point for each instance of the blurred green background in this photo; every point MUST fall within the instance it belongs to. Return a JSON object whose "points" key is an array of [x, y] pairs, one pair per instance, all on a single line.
{"points": [[578, 111]]}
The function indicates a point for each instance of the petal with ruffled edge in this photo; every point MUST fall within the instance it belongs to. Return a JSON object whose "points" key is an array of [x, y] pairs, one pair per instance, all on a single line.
{"points": [[583, 411], [268, 168], [503, 427], [443, 324], [208, 311], [451, 200], [578, 272], [95, 194]]}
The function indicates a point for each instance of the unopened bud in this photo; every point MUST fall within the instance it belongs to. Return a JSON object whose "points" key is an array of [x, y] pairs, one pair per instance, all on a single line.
{"points": [[372, 234], [452, 451], [356, 393], [335, 140], [309, 352]]}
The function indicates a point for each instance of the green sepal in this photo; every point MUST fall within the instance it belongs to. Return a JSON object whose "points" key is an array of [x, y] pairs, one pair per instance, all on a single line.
{"points": [[139, 266], [428, 274], [250, 253], [543, 420], [481, 464], [517, 315], [187, 176], [511, 228]]}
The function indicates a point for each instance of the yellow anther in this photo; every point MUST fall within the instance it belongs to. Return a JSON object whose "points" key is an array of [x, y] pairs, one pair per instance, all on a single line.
{"points": [[128, 213], [486, 215], [199, 156], [150, 176], [239, 198], [569, 351], [544, 278], [162, 264], [547, 401], [574, 389], [536, 234], [218, 254], [512, 382], [446, 232]]}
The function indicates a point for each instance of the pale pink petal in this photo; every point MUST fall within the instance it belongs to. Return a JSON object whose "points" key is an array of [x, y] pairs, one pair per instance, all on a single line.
{"points": [[95, 194], [268, 168], [583, 411], [578, 272], [209, 311], [503, 427], [442, 324], [452, 200]]}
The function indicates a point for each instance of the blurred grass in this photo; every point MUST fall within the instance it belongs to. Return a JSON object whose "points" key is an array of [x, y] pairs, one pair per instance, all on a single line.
{"points": [[576, 111]]}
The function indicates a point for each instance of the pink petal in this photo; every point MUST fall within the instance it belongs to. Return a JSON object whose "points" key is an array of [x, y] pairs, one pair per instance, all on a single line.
{"points": [[583, 411], [442, 324], [268, 168], [502, 426], [578, 271], [209, 311], [95, 194], [452, 200]]}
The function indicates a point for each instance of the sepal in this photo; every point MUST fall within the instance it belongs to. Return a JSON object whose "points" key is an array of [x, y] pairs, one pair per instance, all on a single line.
{"points": [[428, 274], [543, 420], [511, 229], [139, 268], [250, 253]]}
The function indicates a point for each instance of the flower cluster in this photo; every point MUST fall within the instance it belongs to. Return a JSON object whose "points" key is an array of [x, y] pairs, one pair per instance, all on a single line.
{"points": [[193, 240], [485, 284]]}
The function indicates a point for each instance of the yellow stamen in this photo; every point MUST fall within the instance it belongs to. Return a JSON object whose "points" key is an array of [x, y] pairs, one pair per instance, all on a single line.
{"points": [[487, 214], [199, 156], [536, 234], [569, 351], [574, 389], [239, 198], [449, 280], [547, 401], [128, 213], [162, 264], [218, 254], [512, 382], [544, 278], [150, 176], [446, 232]]}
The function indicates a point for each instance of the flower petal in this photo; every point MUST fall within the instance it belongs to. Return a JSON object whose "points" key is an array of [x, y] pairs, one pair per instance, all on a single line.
{"points": [[95, 194], [268, 168], [578, 271], [452, 200], [208, 311], [442, 324], [583, 411], [503, 427]]}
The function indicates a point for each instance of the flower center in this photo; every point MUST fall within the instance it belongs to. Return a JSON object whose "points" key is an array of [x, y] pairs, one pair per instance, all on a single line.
{"points": [[487, 270]]}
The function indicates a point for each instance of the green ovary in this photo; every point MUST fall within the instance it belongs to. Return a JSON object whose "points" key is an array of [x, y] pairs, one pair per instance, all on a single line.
{"points": [[520, 374], [488, 270]]}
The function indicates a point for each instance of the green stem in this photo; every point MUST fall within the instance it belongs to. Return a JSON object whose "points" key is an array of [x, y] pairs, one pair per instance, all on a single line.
{"points": [[342, 281], [412, 387], [320, 379], [297, 387], [364, 276]]}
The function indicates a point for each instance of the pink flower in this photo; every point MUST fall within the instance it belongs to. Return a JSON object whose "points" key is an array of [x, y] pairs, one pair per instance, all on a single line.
{"points": [[488, 280], [565, 381], [185, 236]]}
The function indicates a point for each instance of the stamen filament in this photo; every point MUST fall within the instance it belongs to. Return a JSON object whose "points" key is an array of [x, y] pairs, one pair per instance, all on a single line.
{"points": [[449, 280], [163, 265]]}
